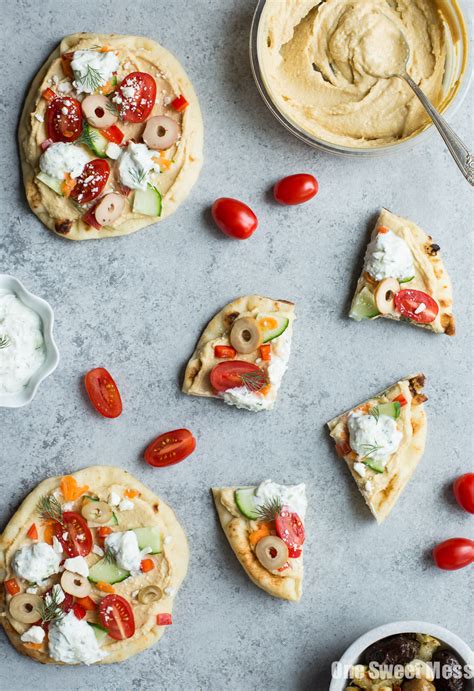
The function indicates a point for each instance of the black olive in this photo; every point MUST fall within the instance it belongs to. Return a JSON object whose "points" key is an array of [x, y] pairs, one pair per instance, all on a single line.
{"points": [[395, 650], [449, 665]]}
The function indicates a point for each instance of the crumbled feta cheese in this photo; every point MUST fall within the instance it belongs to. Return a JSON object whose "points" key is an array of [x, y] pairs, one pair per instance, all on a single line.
{"points": [[126, 505], [35, 562], [35, 634], [56, 594], [98, 550], [32, 590], [168, 591], [360, 469], [421, 308], [39, 117], [113, 150], [72, 640], [114, 499], [135, 165], [65, 86], [68, 506], [368, 486], [128, 91], [61, 158], [92, 69], [77, 565]]}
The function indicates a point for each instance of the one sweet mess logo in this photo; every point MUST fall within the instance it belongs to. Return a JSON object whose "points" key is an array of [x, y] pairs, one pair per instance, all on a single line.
{"points": [[390, 673]]}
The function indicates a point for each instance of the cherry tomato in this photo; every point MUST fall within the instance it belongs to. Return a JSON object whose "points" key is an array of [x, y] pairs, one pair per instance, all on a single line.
{"points": [[235, 373], [103, 392], [91, 181], [290, 529], [116, 616], [73, 534], [138, 107], [295, 189], [79, 611], [454, 554], [64, 119], [234, 218], [170, 448], [463, 489], [408, 301]]}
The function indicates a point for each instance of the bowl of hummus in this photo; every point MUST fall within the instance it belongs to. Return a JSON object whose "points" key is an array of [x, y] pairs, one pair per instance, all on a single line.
{"points": [[313, 62]]}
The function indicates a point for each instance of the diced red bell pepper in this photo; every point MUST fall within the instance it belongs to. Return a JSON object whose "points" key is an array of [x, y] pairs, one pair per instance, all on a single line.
{"points": [[44, 145], [401, 399], [104, 531], [48, 95], [87, 603], [11, 586], [164, 619], [224, 351], [179, 103], [32, 532], [265, 352], [113, 134], [90, 219], [79, 611], [343, 449]]}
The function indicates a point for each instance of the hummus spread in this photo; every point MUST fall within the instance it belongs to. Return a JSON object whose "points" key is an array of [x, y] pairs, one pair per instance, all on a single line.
{"points": [[319, 58]]}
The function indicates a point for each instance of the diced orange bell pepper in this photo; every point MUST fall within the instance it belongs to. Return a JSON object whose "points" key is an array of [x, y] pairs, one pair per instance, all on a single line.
{"points": [[382, 230], [48, 95], [265, 352], [67, 185], [147, 565], [69, 487], [48, 533], [267, 323], [265, 389], [265, 528], [131, 493], [86, 602], [224, 351], [33, 646], [104, 587], [11, 586], [104, 531], [32, 532]]}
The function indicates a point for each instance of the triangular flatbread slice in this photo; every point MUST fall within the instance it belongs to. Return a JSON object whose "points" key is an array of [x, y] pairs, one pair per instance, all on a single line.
{"points": [[247, 537], [404, 277], [252, 330], [382, 441]]}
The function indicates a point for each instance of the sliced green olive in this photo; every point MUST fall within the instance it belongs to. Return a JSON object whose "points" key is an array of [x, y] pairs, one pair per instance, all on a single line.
{"points": [[245, 335], [149, 594], [26, 608], [385, 295], [75, 584], [97, 511], [271, 552]]}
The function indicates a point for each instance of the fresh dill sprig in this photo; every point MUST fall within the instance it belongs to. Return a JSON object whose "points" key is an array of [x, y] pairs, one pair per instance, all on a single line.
{"points": [[49, 509], [254, 381], [370, 449], [375, 412], [87, 137], [270, 509], [109, 556], [91, 80], [138, 177], [50, 609], [4, 342], [112, 108]]}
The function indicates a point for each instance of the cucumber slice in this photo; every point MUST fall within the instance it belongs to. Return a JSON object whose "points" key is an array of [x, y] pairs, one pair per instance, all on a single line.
{"points": [[147, 202], [108, 572], [149, 537], [363, 306], [53, 183], [406, 280], [391, 409], [93, 139], [100, 633], [271, 333], [374, 465], [245, 500]]}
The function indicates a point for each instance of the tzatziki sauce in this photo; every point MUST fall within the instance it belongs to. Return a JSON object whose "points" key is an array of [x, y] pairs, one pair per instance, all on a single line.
{"points": [[22, 348]]}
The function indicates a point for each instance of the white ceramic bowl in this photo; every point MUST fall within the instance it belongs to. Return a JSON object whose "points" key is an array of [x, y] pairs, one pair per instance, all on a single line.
{"points": [[44, 310], [353, 653]]}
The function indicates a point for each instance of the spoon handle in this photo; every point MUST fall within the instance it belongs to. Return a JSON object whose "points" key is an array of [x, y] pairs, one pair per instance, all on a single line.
{"points": [[463, 157]]}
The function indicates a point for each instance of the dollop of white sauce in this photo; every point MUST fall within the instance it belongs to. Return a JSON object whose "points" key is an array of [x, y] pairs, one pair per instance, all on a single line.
{"points": [[292, 496], [135, 165], [241, 397], [35, 562], [388, 256], [23, 352], [62, 158], [72, 640], [92, 69], [124, 547], [372, 437]]}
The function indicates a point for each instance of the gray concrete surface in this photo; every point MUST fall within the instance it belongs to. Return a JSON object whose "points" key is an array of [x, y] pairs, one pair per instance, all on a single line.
{"points": [[137, 305]]}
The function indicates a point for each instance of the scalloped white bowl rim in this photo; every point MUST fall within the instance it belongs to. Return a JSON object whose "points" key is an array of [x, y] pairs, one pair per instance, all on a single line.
{"points": [[45, 312], [354, 651]]}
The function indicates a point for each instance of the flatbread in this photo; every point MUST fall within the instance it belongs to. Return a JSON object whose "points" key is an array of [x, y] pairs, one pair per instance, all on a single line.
{"points": [[62, 215], [196, 378], [385, 488], [431, 276], [236, 528], [170, 570]]}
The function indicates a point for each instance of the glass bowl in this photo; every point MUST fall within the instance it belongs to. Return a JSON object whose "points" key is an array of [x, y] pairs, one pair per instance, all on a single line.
{"points": [[456, 83]]}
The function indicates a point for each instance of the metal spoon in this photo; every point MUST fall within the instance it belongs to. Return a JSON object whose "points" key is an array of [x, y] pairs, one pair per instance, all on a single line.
{"points": [[462, 156]]}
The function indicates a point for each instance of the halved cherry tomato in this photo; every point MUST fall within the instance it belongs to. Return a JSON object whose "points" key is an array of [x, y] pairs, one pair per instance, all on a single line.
{"points": [[91, 181], [290, 529], [87, 603], [11, 586], [170, 448], [463, 489], [224, 351], [64, 119], [32, 532], [138, 107], [408, 301], [454, 554], [113, 134], [164, 619], [234, 218], [230, 375], [116, 616], [79, 611], [179, 103], [73, 534], [103, 392], [295, 189], [66, 59]]}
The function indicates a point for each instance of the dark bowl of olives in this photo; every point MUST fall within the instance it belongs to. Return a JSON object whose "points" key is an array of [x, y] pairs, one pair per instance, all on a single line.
{"points": [[405, 656]]}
